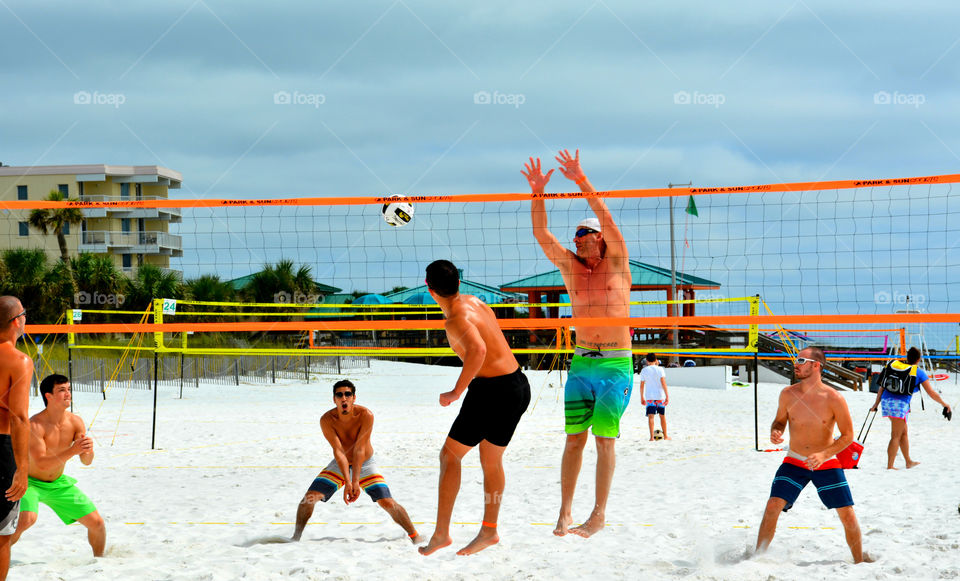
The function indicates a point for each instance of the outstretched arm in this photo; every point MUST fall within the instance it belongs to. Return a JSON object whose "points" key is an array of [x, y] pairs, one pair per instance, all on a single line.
{"points": [[86, 442], [340, 455], [570, 168], [934, 395], [552, 248]]}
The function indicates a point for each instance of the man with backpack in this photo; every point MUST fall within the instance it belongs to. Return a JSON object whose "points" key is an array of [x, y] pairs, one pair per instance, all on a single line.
{"points": [[895, 388]]}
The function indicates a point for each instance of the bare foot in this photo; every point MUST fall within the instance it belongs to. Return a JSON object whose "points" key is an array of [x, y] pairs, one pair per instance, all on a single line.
{"points": [[486, 537], [418, 539], [651, 438], [435, 543], [866, 559], [892, 468], [666, 438], [593, 525], [911, 464], [563, 524]]}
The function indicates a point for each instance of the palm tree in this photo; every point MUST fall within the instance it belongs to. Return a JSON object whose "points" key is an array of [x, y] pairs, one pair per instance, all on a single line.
{"points": [[280, 283], [150, 282], [54, 220], [209, 287], [44, 291]]}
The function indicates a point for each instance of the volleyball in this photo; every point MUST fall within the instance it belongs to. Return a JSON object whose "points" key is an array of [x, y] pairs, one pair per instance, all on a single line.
{"points": [[658, 434], [397, 212]]}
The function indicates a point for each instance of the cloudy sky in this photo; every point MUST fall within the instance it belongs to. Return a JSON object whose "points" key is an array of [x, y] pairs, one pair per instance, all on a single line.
{"points": [[336, 98], [248, 99]]}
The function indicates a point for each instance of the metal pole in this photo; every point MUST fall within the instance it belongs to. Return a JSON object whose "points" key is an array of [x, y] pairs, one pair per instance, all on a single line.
{"points": [[153, 432], [181, 376], [673, 272], [756, 416]]}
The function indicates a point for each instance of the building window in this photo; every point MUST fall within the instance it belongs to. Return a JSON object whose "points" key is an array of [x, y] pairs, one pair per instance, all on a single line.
{"points": [[125, 224], [80, 190], [65, 190], [139, 191], [127, 261], [24, 229], [125, 190], [66, 229], [21, 192]]}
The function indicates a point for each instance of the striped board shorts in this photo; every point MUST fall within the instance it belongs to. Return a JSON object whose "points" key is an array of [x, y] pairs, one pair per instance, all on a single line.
{"points": [[371, 481]]}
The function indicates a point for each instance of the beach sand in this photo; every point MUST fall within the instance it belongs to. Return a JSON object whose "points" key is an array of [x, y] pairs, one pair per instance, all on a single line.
{"points": [[217, 499]]}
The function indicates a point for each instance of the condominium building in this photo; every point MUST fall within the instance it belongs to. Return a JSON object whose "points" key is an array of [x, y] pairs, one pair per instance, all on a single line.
{"points": [[131, 236]]}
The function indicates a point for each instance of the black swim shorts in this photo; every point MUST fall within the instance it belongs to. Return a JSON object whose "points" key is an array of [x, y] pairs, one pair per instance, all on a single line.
{"points": [[492, 409]]}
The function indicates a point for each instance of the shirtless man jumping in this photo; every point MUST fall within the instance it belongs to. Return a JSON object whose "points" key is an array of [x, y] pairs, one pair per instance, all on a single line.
{"points": [[347, 428], [811, 409], [497, 396], [57, 435], [598, 279], [15, 372]]}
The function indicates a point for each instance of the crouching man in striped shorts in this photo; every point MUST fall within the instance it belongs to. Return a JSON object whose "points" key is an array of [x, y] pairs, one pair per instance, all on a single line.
{"points": [[811, 409], [348, 427]]}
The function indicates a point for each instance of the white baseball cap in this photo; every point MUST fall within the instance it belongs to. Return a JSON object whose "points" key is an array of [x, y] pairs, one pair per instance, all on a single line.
{"points": [[591, 223]]}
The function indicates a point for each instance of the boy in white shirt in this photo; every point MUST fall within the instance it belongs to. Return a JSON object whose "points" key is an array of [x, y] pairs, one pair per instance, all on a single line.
{"points": [[653, 393]]}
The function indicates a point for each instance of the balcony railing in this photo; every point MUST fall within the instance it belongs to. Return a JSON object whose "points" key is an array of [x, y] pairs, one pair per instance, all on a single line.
{"points": [[171, 214], [149, 242]]}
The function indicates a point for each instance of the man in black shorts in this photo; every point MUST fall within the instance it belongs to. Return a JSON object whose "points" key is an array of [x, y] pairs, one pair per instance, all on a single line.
{"points": [[498, 395]]}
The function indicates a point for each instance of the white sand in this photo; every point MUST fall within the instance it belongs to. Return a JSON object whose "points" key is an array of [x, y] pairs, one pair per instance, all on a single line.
{"points": [[235, 461]]}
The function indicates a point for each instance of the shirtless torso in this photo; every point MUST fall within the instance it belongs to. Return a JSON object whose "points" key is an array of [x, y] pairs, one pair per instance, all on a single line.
{"points": [[54, 441]]}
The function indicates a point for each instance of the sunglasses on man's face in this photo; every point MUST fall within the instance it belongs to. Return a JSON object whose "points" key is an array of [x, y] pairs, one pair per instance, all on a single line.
{"points": [[22, 314], [343, 394], [802, 360], [583, 232]]}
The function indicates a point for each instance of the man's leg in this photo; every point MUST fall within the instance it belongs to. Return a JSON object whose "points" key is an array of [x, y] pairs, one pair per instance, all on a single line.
{"points": [[96, 532], [4, 556], [400, 516], [26, 520], [494, 481], [305, 511], [606, 462], [897, 426], [768, 526], [450, 457], [569, 471], [851, 529], [663, 426], [650, 421]]}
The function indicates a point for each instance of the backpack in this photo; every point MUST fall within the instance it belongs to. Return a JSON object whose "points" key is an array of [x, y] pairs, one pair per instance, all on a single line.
{"points": [[898, 378]]}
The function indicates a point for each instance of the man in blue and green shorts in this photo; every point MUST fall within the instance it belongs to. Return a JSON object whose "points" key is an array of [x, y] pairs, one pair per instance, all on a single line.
{"points": [[56, 436], [597, 278]]}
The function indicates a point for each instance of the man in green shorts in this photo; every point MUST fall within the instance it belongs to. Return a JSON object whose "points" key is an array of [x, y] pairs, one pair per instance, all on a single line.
{"points": [[597, 277], [56, 435]]}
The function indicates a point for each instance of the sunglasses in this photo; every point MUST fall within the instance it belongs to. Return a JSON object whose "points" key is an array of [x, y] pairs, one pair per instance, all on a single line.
{"points": [[343, 394], [23, 314], [802, 360], [583, 232]]}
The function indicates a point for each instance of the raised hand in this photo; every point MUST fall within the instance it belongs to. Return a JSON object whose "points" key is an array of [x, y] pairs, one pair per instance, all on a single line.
{"points": [[535, 176], [570, 166]]}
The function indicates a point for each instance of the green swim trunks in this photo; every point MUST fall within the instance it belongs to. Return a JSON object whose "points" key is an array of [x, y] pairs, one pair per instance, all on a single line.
{"points": [[65, 499]]}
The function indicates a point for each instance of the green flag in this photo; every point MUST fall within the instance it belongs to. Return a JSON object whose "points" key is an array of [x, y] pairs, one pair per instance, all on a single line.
{"points": [[692, 207]]}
